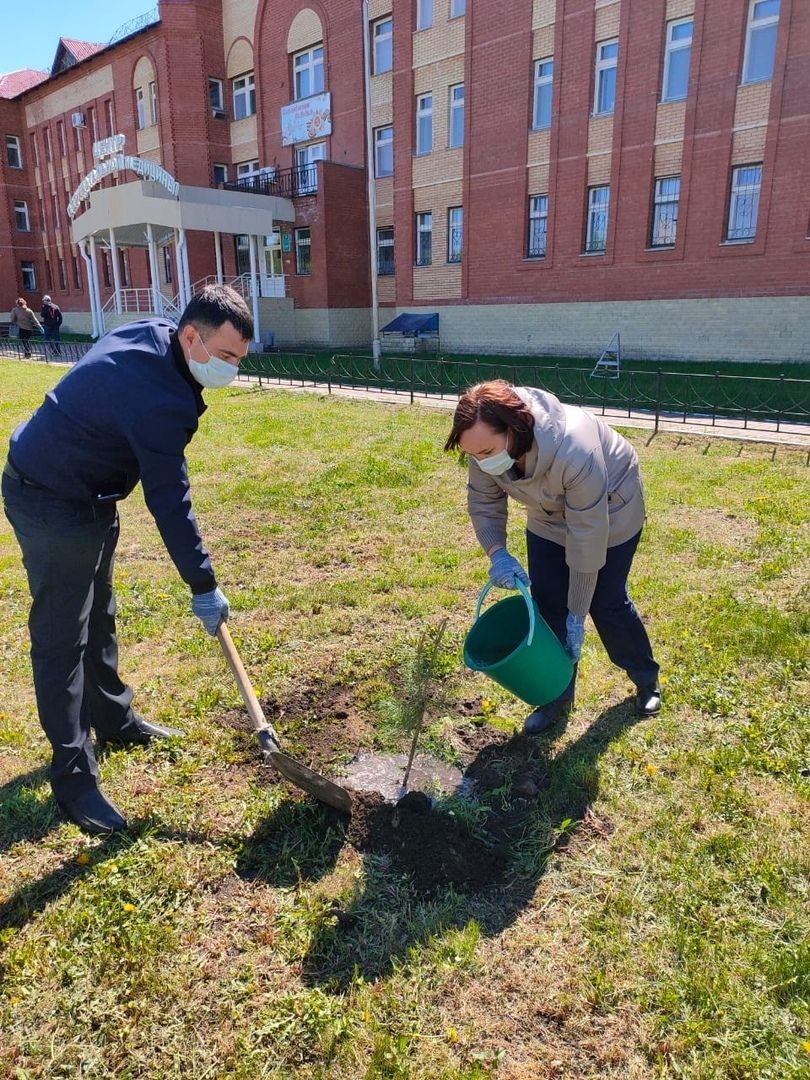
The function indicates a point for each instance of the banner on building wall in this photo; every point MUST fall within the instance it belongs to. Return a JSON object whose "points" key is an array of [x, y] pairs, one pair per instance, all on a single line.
{"points": [[310, 118]]}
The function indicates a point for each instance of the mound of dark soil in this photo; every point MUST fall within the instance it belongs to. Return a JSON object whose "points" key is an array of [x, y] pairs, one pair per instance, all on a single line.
{"points": [[427, 844]]}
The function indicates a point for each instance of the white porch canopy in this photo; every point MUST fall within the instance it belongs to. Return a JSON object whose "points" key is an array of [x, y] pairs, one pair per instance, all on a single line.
{"points": [[145, 214]]}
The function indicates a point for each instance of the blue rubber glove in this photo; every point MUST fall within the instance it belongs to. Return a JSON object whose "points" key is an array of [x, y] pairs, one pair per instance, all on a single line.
{"points": [[504, 569], [211, 608], [574, 635]]}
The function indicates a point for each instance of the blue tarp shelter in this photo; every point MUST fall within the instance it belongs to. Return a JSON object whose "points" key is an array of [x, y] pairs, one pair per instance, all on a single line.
{"points": [[413, 325]]}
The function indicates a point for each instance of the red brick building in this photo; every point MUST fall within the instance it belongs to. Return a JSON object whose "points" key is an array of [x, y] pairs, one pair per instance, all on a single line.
{"points": [[546, 172]]}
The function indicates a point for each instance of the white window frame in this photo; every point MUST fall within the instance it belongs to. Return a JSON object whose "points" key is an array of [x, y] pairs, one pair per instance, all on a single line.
{"points": [[93, 122], [224, 168], [14, 148], [243, 95], [307, 177], [755, 25], [108, 108], [21, 208], [218, 86], [596, 208], [543, 86], [140, 108], [424, 228], [60, 262], [660, 200], [383, 144], [34, 150], [246, 169], [153, 103], [538, 221], [303, 243], [458, 8], [309, 62], [455, 106], [605, 65], [388, 242], [383, 38], [455, 235], [424, 113], [740, 191], [60, 136], [424, 14], [675, 45], [28, 275], [57, 221]]}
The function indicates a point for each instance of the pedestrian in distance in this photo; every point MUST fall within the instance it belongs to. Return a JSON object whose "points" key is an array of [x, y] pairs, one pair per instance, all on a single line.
{"points": [[26, 322], [580, 483], [124, 413], [51, 316]]}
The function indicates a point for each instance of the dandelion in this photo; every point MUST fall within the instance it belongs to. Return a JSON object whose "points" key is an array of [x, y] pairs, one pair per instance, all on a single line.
{"points": [[128, 907], [82, 858], [650, 769], [806, 1046], [452, 1035]]}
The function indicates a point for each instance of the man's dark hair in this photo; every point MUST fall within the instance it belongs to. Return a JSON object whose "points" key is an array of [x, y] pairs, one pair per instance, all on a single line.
{"points": [[216, 305]]}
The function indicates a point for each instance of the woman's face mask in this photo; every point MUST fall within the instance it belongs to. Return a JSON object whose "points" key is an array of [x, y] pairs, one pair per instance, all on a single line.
{"points": [[497, 464]]}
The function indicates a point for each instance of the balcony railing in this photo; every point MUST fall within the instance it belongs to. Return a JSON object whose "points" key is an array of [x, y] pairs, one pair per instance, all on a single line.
{"points": [[285, 183]]}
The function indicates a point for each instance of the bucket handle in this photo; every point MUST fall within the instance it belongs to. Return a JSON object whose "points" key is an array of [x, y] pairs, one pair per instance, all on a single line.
{"points": [[526, 596]]}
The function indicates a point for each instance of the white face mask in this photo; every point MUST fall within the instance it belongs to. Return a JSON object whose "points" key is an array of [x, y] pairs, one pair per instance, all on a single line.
{"points": [[216, 373], [497, 464]]}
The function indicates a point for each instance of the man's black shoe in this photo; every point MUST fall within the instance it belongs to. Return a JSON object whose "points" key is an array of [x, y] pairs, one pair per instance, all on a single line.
{"points": [[546, 716], [93, 812], [648, 700], [140, 732]]}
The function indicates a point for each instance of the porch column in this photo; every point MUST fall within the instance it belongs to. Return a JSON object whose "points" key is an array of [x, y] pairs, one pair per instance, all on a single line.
{"points": [[116, 271], [157, 296], [186, 271], [218, 254], [91, 293], [95, 287], [253, 242]]}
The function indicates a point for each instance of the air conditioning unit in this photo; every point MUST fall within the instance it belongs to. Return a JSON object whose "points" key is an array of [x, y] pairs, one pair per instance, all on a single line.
{"points": [[77, 119], [268, 172], [219, 114]]}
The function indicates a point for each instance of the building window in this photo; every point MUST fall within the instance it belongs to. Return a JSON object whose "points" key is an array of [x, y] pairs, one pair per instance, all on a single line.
{"points": [[424, 14], [246, 169], [140, 108], [221, 174], [93, 123], [384, 151], [538, 227], [424, 124], [21, 219], [455, 234], [34, 151], [216, 98], [167, 266], [62, 277], [308, 72], [153, 108], [543, 80], [46, 142], [77, 281], [760, 40], [424, 239], [746, 181], [48, 275], [457, 7], [665, 211], [456, 125], [607, 54], [108, 107], [57, 224], [29, 276], [385, 251], [383, 46], [303, 251], [596, 234], [60, 132], [244, 96], [77, 135], [306, 180], [676, 60]]}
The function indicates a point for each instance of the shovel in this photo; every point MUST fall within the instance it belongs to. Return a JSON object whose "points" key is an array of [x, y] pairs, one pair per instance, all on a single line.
{"points": [[326, 791]]}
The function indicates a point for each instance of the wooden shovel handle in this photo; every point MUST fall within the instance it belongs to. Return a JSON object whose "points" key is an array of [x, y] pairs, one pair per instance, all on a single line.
{"points": [[257, 717]]}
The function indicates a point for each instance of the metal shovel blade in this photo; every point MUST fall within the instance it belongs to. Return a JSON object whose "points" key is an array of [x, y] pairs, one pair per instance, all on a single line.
{"points": [[325, 791]]}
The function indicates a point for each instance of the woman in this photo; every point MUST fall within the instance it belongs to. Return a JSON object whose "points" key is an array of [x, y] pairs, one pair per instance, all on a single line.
{"points": [[26, 321], [580, 483]]}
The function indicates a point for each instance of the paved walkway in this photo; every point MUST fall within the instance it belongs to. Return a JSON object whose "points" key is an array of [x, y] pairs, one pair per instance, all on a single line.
{"points": [[759, 431]]}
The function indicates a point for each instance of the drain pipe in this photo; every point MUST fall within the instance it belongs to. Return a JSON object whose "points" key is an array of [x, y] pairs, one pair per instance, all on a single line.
{"points": [[372, 194], [91, 294]]}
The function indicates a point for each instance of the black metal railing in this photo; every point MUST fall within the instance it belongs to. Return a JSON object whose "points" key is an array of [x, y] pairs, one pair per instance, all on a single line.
{"points": [[64, 352], [285, 183]]}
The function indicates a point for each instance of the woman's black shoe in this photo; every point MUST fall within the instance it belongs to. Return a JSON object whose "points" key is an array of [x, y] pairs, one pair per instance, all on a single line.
{"points": [[93, 812]]}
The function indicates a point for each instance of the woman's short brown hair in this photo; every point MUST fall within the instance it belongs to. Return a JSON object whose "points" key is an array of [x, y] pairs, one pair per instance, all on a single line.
{"points": [[497, 404]]}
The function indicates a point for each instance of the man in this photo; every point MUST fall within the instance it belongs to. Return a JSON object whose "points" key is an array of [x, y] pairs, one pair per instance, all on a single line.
{"points": [[124, 413], [51, 316]]}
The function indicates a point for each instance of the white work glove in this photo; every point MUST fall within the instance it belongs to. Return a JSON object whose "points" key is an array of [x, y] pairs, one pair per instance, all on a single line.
{"points": [[574, 635], [211, 608]]}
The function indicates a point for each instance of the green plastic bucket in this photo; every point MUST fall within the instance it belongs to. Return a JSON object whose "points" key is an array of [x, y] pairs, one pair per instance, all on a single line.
{"points": [[514, 646]]}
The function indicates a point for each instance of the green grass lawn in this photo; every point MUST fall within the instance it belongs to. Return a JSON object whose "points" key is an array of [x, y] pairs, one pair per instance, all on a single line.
{"points": [[655, 919]]}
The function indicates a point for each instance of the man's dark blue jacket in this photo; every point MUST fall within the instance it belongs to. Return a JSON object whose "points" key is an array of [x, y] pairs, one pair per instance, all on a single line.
{"points": [[124, 413]]}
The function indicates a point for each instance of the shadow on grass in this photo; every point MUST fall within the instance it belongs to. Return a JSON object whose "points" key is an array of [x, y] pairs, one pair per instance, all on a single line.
{"points": [[298, 841], [384, 921], [24, 814]]}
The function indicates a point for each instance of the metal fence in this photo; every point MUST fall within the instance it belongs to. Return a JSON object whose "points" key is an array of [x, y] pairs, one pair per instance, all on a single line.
{"points": [[736, 400]]}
